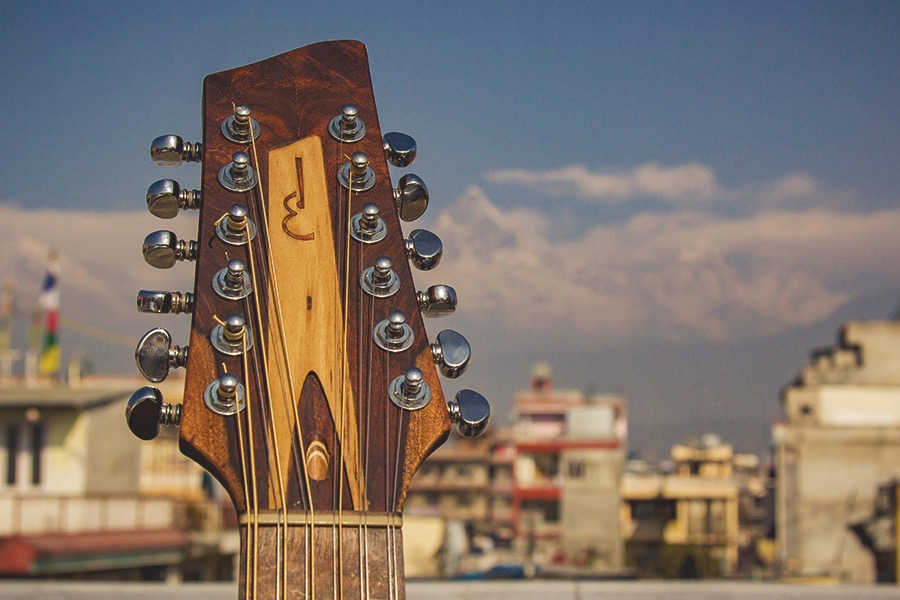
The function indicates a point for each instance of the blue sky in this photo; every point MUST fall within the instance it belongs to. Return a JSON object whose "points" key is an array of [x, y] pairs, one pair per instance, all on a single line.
{"points": [[670, 200]]}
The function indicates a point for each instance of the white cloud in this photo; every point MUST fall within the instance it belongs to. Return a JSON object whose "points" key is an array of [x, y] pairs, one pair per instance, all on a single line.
{"points": [[692, 182], [687, 185], [679, 276]]}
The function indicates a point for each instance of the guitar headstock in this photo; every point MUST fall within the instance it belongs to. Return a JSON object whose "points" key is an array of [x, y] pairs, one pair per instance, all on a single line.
{"points": [[310, 380]]}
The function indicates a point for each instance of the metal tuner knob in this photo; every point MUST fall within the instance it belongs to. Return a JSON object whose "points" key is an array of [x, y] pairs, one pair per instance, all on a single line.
{"points": [[399, 148], [162, 249], [411, 197], [471, 413], [165, 198], [357, 175], [171, 150], [153, 301], [410, 391], [452, 353], [146, 411], [424, 249], [437, 301], [155, 354]]}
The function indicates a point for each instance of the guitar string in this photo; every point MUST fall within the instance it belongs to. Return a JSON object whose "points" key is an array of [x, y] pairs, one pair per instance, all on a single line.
{"points": [[395, 506], [282, 552], [345, 223], [309, 532], [364, 566], [243, 455], [388, 505]]}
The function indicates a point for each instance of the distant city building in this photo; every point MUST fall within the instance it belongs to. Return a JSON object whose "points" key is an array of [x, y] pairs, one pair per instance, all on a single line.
{"points": [[839, 443], [75, 496], [693, 520], [545, 493]]}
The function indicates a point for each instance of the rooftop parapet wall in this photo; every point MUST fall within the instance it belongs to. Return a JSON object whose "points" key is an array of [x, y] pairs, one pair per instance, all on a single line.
{"points": [[867, 352]]}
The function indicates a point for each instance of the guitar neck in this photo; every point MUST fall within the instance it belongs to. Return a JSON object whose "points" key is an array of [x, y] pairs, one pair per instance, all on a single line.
{"points": [[357, 555]]}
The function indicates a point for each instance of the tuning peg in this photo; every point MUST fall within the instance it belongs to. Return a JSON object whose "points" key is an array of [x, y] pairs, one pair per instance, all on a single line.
{"points": [[240, 127], [225, 395], [451, 353], [357, 175], [367, 226], [399, 148], [380, 280], [394, 334], [437, 301], [410, 391], [152, 301], [233, 281], [165, 197], [424, 249], [170, 151], [162, 249], [238, 175], [347, 126], [411, 197], [155, 354], [146, 411], [471, 412]]}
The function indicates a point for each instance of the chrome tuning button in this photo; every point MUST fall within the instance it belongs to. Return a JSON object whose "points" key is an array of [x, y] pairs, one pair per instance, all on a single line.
{"points": [[162, 249], [424, 249], [146, 411], [368, 227], [170, 151], [437, 301], [380, 280], [236, 228], [451, 353], [232, 336], [410, 391], [411, 197], [471, 412], [347, 126], [394, 334], [155, 355], [153, 301], [399, 148], [225, 395], [238, 175], [240, 128], [357, 175], [233, 282], [165, 198]]}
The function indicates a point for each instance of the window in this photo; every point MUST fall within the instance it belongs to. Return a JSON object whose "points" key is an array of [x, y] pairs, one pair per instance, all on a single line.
{"points": [[12, 453], [23, 446], [37, 447], [576, 469]]}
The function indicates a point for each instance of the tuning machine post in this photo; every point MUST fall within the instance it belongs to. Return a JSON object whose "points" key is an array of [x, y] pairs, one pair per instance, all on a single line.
{"points": [[154, 301], [240, 127]]}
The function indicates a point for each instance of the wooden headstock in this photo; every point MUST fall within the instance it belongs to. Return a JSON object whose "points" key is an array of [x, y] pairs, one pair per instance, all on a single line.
{"points": [[311, 391]]}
